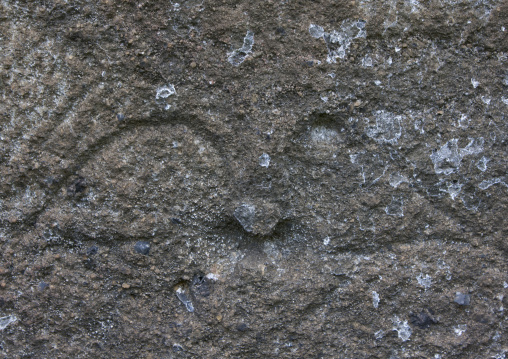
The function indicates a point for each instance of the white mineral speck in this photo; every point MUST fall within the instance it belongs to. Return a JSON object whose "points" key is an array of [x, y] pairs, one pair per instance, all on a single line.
{"points": [[264, 160], [396, 179], [316, 31], [459, 329], [212, 276], [367, 61], [375, 299], [339, 41], [482, 164], [424, 281], [5, 321], [490, 182]]}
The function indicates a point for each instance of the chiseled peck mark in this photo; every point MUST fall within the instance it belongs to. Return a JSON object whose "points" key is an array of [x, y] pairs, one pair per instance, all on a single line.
{"points": [[338, 42], [238, 56], [396, 207], [396, 179], [449, 157], [402, 328], [163, 93]]}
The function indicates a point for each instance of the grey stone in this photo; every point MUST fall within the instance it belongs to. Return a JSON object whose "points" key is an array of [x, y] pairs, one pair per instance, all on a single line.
{"points": [[322, 171], [182, 295], [462, 299], [142, 247], [259, 219], [245, 214], [93, 250]]}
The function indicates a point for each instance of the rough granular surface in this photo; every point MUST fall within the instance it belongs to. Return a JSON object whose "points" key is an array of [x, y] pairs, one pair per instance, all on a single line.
{"points": [[253, 179]]}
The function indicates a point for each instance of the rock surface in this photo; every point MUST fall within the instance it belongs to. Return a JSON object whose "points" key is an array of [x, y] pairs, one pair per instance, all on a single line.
{"points": [[369, 138]]}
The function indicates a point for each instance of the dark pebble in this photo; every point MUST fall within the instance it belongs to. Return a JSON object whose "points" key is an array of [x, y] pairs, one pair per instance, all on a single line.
{"points": [[242, 327], [200, 286], [424, 319], [89, 263], [50, 180], [142, 247], [77, 186], [462, 299], [280, 31], [92, 250]]}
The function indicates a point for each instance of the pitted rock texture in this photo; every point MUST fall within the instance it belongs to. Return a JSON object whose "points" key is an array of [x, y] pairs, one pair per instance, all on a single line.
{"points": [[312, 179]]}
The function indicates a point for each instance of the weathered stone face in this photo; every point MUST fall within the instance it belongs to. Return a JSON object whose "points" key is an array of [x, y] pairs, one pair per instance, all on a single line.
{"points": [[253, 179]]}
